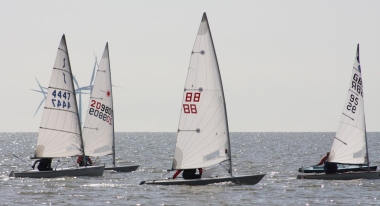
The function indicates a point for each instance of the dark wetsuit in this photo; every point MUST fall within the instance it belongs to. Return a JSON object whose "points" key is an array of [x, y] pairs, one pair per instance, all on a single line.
{"points": [[189, 173], [331, 168], [45, 164]]}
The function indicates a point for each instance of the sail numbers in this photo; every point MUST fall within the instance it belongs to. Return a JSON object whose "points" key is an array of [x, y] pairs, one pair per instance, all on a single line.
{"points": [[61, 102], [191, 108], [354, 101], [356, 84], [99, 110], [356, 87], [64, 77]]}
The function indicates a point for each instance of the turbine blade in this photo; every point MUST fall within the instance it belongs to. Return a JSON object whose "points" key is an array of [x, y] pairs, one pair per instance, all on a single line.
{"points": [[93, 71], [39, 107], [36, 90], [42, 89], [120, 87], [76, 82]]}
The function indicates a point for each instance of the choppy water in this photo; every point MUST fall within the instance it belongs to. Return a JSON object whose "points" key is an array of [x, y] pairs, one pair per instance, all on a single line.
{"points": [[279, 155]]}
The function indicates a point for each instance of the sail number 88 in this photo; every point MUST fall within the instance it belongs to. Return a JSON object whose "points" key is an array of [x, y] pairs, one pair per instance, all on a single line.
{"points": [[191, 108], [354, 101]]}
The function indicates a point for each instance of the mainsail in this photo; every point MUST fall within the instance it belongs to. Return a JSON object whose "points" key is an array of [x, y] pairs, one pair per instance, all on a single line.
{"points": [[60, 133], [350, 143], [203, 135], [98, 130]]}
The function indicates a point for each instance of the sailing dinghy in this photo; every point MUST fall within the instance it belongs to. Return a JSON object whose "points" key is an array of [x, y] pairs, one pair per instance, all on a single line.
{"points": [[203, 138], [341, 168], [350, 144], [60, 134], [98, 130]]}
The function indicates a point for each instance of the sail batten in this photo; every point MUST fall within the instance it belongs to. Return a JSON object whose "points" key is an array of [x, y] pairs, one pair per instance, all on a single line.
{"points": [[350, 143], [98, 131], [60, 134], [203, 136]]}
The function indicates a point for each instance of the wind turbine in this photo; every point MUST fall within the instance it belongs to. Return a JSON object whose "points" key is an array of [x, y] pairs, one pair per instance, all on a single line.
{"points": [[78, 91], [42, 90]]}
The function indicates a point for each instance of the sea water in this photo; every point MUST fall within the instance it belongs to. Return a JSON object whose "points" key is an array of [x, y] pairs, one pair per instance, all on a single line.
{"points": [[278, 155]]}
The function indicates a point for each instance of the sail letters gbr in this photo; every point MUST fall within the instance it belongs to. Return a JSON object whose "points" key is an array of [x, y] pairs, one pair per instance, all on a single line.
{"points": [[356, 93]]}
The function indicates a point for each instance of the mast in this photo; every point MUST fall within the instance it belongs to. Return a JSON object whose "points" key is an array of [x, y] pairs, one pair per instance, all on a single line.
{"points": [[365, 126], [75, 100], [113, 117], [224, 100]]}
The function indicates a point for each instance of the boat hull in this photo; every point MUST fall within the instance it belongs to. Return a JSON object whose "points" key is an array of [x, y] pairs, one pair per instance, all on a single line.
{"points": [[65, 172], [248, 179], [123, 169], [342, 176], [341, 168]]}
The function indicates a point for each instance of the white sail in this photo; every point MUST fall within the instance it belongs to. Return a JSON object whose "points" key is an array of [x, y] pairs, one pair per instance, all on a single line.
{"points": [[203, 136], [60, 134], [98, 130], [349, 145]]}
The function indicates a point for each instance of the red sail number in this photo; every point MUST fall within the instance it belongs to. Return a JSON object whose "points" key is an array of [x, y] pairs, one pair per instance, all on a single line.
{"points": [[191, 108]]}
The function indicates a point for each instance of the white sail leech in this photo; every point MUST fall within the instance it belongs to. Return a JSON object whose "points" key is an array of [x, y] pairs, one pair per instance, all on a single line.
{"points": [[349, 146], [202, 137], [60, 134], [98, 130]]}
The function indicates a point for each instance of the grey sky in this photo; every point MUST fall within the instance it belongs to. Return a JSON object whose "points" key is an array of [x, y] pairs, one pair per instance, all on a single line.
{"points": [[285, 65]]}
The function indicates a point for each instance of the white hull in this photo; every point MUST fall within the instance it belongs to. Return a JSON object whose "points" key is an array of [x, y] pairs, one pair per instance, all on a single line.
{"points": [[248, 179], [342, 176], [65, 172], [123, 169]]}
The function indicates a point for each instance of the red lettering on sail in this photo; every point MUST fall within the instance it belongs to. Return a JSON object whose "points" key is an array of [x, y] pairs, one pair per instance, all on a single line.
{"points": [[193, 108], [186, 108], [188, 96], [197, 97]]}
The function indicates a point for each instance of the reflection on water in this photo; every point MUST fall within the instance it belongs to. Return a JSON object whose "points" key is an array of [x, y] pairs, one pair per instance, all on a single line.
{"points": [[279, 155]]}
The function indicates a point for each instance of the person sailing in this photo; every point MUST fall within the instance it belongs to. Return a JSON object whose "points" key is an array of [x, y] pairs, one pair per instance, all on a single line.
{"points": [[82, 163], [189, 173], [329, 167], [44, 164]]}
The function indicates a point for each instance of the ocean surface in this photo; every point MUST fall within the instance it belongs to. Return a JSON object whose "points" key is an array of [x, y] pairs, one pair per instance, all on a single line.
{"points": [[278, 155]]}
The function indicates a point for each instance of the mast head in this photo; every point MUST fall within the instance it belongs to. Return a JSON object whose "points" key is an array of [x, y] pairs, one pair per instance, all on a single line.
{"points": [[357, 54], [204, 17], [63, 38]]}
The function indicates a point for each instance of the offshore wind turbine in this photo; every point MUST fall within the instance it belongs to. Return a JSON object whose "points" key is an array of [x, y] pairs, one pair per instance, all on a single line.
{"points": [[79, 91]]}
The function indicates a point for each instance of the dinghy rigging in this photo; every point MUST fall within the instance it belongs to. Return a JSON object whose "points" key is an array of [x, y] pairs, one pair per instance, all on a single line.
{"points": [[203, 138], [350, 145]]}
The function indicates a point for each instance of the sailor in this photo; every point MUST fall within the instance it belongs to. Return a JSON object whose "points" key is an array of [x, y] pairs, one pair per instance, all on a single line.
{"points": [[189, 173], [44, 164], [87, 160], [330, 167]]}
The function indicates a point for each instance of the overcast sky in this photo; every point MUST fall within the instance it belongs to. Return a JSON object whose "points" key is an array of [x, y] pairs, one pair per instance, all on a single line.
{"points": [[285, 65]]}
